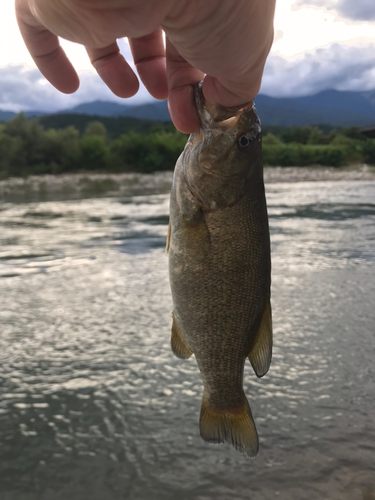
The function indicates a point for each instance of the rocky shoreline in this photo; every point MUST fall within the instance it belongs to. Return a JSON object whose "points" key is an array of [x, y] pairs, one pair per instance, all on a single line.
{"points": [[312, 174], [87, 185]]}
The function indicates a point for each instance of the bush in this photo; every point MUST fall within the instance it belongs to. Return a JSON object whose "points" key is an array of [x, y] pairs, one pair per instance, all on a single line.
{"points": [[352, 148], [96, 128], [62, 149], [353, 133], [270, 140], [26, 148], [140, 153], [12, 155], [296, 134], [93, 153], [316, 137], [303, 155], [369, 151], [28, 140]]}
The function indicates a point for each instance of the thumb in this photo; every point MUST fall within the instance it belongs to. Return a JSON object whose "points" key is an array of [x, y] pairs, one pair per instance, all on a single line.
{"points": [[230, 94], [182, 78]]}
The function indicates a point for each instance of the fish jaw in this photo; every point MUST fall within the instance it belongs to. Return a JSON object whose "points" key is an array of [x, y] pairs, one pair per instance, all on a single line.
{"points": [[210, 113]]}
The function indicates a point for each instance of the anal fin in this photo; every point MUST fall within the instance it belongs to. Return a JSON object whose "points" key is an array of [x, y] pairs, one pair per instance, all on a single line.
{"points": [[261, 352], [178, 343]]}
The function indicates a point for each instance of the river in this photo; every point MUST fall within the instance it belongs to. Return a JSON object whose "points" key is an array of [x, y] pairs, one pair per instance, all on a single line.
{"points": [[94, 406]]}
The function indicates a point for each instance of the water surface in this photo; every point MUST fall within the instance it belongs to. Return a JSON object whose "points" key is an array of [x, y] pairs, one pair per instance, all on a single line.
{"points": [[93, 405]]}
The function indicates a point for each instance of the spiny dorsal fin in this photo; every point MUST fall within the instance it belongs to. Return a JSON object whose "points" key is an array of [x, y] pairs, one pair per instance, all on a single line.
{"points": [[168, 242], [235, 425], [261, 352], [178, 343]]}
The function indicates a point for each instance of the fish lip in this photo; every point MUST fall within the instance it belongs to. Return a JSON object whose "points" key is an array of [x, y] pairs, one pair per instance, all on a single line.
{"points": [[213, 114]]}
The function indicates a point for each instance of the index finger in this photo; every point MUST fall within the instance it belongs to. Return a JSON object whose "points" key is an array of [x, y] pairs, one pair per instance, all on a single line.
{"points": [[48, 55]]}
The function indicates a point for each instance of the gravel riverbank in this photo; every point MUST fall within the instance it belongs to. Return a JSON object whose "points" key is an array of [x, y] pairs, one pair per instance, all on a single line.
{"points": [[87, 185]]}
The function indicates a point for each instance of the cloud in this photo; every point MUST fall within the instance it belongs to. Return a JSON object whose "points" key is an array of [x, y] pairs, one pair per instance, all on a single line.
{"points": [[338, 66], [357, 10], [24, 88]]}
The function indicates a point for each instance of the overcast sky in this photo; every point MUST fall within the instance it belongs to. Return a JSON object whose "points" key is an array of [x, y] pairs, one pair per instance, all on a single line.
{"points": [[319, 44]]}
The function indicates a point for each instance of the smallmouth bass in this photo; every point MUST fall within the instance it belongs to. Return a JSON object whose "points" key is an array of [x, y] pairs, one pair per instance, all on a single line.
{"points": [[220, 266]]}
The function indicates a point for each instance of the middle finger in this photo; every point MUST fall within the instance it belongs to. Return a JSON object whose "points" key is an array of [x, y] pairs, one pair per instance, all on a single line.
{"points": [[113, 69]]}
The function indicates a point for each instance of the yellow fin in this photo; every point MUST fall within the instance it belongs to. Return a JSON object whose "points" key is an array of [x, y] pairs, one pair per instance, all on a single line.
{"points": [[178, 343], [261, 352], [168, 238], [234, 425]]}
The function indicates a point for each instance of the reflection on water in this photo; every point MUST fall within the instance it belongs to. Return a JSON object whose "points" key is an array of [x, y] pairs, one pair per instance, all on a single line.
{"points": [[93, 405]]}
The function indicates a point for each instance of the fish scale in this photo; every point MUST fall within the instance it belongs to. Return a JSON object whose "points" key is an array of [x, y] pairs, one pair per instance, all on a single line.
{"points": [[219, 265]]}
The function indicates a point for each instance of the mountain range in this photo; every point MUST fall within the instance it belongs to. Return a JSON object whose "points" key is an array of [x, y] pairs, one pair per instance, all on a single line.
{"points": [[329, 107]]}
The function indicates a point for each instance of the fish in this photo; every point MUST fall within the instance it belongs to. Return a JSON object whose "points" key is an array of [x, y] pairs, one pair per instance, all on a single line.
{"points": [[220, 266]]}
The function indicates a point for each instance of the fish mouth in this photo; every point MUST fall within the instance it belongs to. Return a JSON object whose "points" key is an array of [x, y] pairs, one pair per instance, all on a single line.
{"points": [[218, 121], [195, 138], [213, 114]]}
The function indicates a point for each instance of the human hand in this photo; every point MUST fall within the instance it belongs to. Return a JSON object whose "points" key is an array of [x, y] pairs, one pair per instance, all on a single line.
{"points": [[227, 40]]}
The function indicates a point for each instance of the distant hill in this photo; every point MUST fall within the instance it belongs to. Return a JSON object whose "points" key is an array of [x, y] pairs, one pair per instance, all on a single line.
{"points": [[6, 115], [155, 110], [330, 107], [115, 125], [97, 108]]}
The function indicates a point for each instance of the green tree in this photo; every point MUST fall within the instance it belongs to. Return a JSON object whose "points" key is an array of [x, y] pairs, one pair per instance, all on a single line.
{"points": [[316, 136], [352, 148], [296, 134], [61, 149], [93, 153], [369, 151], [353, 133], [139, 153], [271, 140], [11, 155], [95, 128], [295, 154], [31, 136]]}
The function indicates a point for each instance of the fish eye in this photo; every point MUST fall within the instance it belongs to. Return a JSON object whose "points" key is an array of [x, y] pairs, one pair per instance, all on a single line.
{"points": [[243, 141]]}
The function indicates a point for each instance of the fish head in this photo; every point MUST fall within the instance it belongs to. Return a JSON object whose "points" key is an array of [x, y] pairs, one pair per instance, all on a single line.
{"points": [[225, 154]]}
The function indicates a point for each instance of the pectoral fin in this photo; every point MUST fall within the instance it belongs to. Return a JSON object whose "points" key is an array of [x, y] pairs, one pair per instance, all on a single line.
{"points": [[261, 352], [168, 237], [187, 202], [178, 343]]}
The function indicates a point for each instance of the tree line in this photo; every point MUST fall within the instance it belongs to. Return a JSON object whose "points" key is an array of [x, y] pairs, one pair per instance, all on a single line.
{"points": [[304, 146], [28, 147]]}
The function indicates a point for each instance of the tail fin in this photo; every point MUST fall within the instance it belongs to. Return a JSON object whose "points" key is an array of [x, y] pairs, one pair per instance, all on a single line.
{"points": [[234, 425]]}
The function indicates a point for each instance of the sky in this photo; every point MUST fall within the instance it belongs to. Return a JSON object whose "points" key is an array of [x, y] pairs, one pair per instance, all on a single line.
{"points": [[319, 45]]}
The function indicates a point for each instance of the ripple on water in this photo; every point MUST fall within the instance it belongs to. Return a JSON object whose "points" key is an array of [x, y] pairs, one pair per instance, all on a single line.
{"points": [[92, 403]]}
